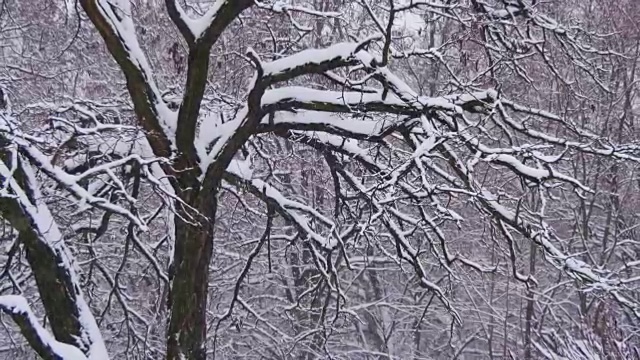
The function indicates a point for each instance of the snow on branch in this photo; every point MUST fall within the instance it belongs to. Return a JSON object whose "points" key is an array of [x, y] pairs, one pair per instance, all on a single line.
{"points": [[405, 250], [448, 111], [502, 156], [27, 147], [391, 177], [41, 222], [314, 60], [285, 7], [40, 339], [281, 6], [328, 122], [113, 18], [118, 13], [71, 182], [539, 232], [262, 101], [197, 27], [594, 144], [295, 97], [201, 28]]}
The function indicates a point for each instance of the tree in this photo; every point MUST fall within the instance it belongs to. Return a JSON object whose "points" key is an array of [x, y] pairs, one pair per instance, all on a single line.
{"points": [[420, 145]]}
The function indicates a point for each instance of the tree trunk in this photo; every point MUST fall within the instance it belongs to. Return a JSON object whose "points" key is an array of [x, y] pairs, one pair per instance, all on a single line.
{"points": [[186, 337], [529, 314]]}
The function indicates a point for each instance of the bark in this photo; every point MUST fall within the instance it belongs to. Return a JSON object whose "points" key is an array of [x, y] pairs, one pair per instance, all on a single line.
{"points": [[530, 310], [188, 293]]}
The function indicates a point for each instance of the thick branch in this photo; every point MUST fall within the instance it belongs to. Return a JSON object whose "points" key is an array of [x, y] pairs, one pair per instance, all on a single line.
{"points": [[70, 317], [38, 337], [120, 38], [179, 18]]}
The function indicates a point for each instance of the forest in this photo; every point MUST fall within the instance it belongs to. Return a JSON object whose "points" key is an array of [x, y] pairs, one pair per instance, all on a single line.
{"points": [[319, 179]]}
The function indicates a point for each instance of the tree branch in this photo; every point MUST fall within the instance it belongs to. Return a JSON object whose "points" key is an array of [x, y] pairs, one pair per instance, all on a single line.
{"points": [[118, 31], [38, 337]]}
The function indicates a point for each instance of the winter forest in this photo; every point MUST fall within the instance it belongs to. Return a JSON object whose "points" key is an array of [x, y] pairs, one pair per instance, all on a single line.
{"points": [[319, 179]]}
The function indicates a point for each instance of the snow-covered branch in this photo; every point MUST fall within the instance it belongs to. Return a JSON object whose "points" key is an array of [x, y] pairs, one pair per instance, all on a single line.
{"points": [[40, 339], [24, 208], [113, 18]]}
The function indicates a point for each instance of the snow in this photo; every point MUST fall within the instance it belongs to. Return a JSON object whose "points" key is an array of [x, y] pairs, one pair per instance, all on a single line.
{"points": [[242, 168], [48, 232], [286, 6], [199, 26], [402, 99], [409, 22], [18, 305], [220, 139], [332, 121], [338, 98], [516, 165], [340, 142], [341, 51], [502, 156], [425, 147]]}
